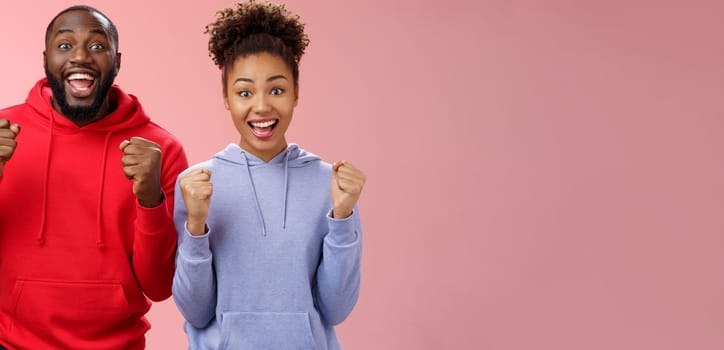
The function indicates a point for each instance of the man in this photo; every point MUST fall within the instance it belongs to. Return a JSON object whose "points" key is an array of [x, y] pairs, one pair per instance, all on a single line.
{"points": [[86, 196]]}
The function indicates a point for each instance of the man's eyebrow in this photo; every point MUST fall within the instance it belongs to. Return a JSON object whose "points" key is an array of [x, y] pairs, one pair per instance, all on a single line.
{"points": [[99, 31], [69, 30]]}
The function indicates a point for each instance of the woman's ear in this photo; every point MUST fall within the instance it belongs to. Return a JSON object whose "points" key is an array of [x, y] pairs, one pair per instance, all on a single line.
{"points": [[226, 100], [296, 95]]}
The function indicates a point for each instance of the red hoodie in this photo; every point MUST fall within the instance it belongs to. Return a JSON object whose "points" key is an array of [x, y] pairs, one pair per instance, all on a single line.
{"points": [[78, 255]]}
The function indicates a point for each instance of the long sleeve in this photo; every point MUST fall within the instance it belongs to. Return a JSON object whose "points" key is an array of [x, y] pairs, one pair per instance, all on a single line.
{"points": [[194, 283], [338, 274], [154, 242]]}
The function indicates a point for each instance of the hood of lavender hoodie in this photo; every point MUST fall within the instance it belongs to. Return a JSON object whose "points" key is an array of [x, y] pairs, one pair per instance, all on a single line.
{"points": [[292, 157]]}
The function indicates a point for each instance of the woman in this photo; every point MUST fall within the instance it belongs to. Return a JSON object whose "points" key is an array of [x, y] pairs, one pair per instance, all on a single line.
{"points": [[269, 236]]}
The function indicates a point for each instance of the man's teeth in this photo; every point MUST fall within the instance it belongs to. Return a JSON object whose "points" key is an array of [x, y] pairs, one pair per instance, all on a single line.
{"points": [[80, 76], [265, 124]]}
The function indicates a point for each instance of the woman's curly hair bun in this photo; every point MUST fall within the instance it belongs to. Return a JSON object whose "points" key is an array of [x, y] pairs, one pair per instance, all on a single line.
{"points": [[248, 19]]}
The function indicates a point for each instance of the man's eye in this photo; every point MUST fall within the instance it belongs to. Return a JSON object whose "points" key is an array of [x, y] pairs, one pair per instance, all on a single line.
{"points": [[64, 46], [277, 91], [96, 47]]}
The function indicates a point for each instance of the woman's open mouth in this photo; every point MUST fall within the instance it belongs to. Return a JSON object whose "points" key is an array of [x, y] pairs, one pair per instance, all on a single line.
{"points": [[263, 129]]}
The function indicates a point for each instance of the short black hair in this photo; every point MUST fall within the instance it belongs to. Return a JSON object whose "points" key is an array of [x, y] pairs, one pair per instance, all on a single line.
{"points": [[113, 29], [253, 28]]}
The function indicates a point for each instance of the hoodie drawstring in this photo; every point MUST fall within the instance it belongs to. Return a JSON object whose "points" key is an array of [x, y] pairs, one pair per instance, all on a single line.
{"points": [[256, 198], [44, 217], [286, 189], [253, 190], [41, 235], [99, 235]]}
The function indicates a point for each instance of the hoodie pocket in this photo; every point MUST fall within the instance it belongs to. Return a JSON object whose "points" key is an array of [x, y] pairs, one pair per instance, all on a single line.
{"points": [[266, 330], [69, 310]]}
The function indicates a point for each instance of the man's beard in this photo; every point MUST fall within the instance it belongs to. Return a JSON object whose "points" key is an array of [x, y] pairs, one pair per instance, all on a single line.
{"points": [[80, 114]]}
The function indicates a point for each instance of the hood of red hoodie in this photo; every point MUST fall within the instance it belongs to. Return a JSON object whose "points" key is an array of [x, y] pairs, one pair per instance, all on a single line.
{"points": [[127, 114]]}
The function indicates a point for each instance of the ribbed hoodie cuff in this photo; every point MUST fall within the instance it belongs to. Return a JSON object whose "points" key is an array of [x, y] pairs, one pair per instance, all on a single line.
{"points": [[152, 221], [341, 231], [195, 247]]}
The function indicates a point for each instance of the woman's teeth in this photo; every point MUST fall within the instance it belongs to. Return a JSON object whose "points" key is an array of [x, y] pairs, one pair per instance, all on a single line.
{"points": [[265, 124]]}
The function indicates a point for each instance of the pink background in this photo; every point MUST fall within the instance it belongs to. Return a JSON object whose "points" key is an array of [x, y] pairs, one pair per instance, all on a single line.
{"points": [[542, 174]]}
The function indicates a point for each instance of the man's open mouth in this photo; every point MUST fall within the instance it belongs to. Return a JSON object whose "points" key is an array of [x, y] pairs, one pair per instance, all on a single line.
{"points": [[80, 84]]}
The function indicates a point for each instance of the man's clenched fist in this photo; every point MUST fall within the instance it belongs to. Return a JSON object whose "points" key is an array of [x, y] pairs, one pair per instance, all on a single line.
{"points": [[142, 164], [8, 132]]}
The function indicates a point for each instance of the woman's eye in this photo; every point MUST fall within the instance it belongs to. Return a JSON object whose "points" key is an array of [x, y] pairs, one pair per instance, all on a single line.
{"points": [[277, 91], [245, 93]]}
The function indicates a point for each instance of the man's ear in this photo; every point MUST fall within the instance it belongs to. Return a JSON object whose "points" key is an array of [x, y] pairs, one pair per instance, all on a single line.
{"points": [[118, 61]]}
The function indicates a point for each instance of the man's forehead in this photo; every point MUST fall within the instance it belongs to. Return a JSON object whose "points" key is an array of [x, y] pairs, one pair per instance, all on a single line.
{"points": [[80, 18]]}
